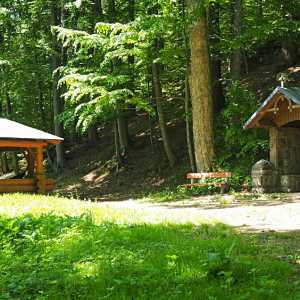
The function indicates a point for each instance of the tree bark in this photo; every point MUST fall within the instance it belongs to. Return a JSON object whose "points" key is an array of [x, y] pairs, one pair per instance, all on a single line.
{"points": [[187, 93], [216, 63], [98, 11], [236, 63], [201, 95], [92, 135], [123, 134], [8, 105], [58, 104], [189, 131], [289, 47], [117, 143], [161, 115]]}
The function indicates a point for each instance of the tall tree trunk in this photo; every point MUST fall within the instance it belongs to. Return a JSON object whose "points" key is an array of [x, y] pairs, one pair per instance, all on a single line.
{"points": [[8, 105], [112, 10], [131, 10], [187, 93], [201, 95], [98, 11], [189, 131], [117, 143], [216, 63], [121, 122], [123, 134], [259, 12], [58, 103], [290, 47], [236, 63], [41, 104], [92, 135], [161, 115]]}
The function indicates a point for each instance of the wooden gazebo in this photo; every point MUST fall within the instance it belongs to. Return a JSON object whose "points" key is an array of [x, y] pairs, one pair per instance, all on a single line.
{"points": [[15, 136]]}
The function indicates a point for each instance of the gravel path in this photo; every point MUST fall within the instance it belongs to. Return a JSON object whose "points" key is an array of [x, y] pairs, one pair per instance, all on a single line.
{"points": [[281, 214]]}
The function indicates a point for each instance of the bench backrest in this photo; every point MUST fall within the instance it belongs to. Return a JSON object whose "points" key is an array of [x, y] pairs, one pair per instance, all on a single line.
{"points": [[208, 175]]}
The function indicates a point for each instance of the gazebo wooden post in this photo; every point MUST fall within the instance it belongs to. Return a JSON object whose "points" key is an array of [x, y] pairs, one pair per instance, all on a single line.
{"points": [[40, 174]]}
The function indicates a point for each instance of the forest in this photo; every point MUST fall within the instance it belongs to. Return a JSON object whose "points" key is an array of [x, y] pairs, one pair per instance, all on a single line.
{"points": [[144, 92], [176, 78]]}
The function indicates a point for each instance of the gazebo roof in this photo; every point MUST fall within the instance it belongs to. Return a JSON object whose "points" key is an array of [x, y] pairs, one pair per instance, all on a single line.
{"points": [[10, 130], [292, 95]]}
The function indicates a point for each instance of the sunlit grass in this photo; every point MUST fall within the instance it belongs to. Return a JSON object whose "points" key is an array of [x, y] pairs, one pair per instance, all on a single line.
{"points": [[58, 248], [14, 205]]}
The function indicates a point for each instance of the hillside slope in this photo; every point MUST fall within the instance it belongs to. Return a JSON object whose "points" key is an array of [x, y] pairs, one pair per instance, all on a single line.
{"points": [[92, 171]]}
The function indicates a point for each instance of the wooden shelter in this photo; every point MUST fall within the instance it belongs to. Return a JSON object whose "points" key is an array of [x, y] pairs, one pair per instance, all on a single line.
{"points": [[282, 108], [280, 114], [15, 136]]}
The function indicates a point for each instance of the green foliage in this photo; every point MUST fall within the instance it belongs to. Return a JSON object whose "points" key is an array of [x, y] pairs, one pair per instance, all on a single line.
{"points": [[104, 68], [239, 148]]}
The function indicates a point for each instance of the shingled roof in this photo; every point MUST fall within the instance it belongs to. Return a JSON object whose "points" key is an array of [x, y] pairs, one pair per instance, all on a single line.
{"points": [[15, 131], [291, 94]]}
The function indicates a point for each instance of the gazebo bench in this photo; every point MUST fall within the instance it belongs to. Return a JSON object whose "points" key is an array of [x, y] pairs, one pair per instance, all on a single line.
{"points": [[224, 184]]}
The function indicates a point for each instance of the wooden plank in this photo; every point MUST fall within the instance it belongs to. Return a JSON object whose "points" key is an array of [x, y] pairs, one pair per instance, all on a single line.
{"points": [[39, 161], [22, 144], [24, 185], [17, 188], [54, 142], [189, 185], [208, 175], [15, 182], [25, 181]]}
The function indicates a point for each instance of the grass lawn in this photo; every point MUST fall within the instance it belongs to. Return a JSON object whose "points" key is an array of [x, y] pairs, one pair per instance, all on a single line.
{"points": [[56, 248]]}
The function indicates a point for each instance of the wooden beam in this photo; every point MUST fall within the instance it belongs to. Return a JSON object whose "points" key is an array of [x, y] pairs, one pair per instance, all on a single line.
{"points": [[54, 142], [17, 182], [24, 185], [17, 188], [40, 176], [22, 144], [208, 175]]}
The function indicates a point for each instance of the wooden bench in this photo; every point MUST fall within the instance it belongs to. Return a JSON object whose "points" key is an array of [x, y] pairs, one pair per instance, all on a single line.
{"points": [[224, 184]]}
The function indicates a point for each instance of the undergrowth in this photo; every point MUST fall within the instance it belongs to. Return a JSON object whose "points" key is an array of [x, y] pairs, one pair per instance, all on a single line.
{"points": [[55, 248], [55, 257]]}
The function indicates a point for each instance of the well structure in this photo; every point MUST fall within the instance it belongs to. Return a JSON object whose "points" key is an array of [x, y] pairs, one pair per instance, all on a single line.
{"points": [[280, 114]]}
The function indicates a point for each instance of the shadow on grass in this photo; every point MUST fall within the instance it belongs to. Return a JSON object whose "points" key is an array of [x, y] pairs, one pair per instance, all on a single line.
{"points": [[52, 257]]}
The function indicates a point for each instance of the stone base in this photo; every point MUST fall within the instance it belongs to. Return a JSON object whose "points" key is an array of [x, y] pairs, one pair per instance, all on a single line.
{"points": [[290, 183], [267, 179], [269, 184], [264, 177]]}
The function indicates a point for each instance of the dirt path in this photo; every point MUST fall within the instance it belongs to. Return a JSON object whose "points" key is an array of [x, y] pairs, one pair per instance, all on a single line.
{"points": [[281, 214]]}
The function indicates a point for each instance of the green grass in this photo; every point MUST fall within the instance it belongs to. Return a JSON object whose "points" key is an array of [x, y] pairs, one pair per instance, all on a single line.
{"points": [[55, 248]]}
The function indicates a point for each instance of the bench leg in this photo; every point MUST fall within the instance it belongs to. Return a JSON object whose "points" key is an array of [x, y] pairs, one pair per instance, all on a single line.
{"points": [[225, 188]]}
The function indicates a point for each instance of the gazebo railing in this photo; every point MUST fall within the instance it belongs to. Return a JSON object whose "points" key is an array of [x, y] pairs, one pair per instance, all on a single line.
{"points": [[24, 185]]}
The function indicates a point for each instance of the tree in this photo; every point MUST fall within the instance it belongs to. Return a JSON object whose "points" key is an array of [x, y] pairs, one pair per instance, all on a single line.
{"points": [[158, 95], [201, 93], [57, 14], [236, 62]]}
